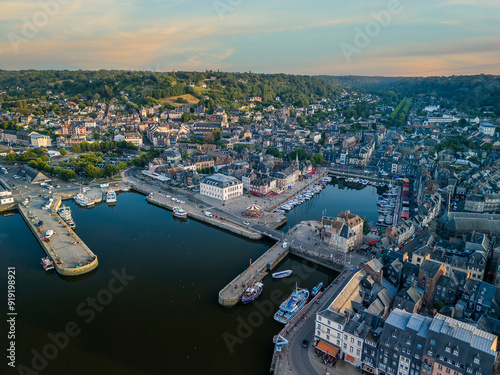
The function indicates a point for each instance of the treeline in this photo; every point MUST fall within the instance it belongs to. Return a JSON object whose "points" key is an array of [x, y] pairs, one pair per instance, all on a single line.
{"points": [[394, 114], [62, 173], [398, 116], [475, 92], [149, 87], [102, 146]]}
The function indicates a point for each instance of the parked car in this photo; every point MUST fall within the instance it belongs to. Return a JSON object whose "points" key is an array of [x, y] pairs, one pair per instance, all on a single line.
{"points": [[305, 343]]}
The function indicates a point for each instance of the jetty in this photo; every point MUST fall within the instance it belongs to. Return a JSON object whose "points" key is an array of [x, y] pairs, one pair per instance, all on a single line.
{"points": [[71, 256], [231, 294]]}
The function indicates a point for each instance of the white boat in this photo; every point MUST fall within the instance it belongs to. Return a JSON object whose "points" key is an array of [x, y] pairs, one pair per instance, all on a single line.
{"points": [[110, 197], [179, 212], [292, 306], [83, 200], [47, 264], [49, 233], [281, 274], [65, 213]]}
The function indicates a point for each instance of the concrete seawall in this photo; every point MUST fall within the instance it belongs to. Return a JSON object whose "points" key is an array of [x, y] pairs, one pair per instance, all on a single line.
{"points": [[223, 224], [71, 256], [231, 294]]}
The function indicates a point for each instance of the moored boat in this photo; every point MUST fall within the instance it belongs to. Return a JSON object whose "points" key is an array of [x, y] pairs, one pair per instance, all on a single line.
{"points": [[252, 293], [281, 274], [179, 212], [317, 289], [47, 264], [110, 197], [292, 305]]}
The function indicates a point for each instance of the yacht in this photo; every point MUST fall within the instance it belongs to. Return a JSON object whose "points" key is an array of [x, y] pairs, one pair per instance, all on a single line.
{"points": [[110, 197], [83, 200]]}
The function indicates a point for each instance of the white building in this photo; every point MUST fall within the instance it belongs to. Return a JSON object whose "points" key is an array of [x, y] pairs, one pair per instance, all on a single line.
{"points": [[39, 140], [487, 129], [221, 187]]}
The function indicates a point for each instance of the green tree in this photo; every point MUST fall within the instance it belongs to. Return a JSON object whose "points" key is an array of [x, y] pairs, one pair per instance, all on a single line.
{"points": [[92, 171], [63, 152], [366, 227], [274, 151], [318, 159]]}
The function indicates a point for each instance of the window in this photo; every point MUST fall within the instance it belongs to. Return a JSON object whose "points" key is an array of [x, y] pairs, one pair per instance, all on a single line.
{"points": [[365, 351], [345, 346], [338, 335], [351, 349], [352, 340], [328, 337], [358, 352], [338, 343], [447, 370], [476, 359], [359, 343], [440, 367], [448, 348], [329, 323], [345, 337], [328, 330], [340, 327], [417, 356]]}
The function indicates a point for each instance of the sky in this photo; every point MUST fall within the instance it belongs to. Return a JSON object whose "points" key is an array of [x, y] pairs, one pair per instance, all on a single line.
{"points": [[333, 37]]}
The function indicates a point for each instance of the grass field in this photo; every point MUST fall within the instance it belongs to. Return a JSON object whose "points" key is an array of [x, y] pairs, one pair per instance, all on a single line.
{"points": [[190, 98]]}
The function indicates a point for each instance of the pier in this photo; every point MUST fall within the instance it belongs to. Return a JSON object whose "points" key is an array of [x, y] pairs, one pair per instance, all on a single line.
{"points": [[231, 294], [71, 256]]}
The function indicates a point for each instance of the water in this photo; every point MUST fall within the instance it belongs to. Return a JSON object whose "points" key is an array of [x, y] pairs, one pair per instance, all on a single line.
{"points": [[337, 197], [167, 319]]}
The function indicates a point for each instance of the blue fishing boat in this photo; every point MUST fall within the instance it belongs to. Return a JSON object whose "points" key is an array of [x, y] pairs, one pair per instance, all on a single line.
{"points": [[252, 293], [317, 289], [281, 274], [292, 305]]}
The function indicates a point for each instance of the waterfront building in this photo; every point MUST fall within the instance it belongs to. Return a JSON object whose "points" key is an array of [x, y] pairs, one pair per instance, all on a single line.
{"points": [[343, 232], [221, 187]]}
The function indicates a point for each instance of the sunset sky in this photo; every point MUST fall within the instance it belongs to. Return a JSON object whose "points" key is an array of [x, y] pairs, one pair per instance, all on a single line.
{"points": [[421, 38]]}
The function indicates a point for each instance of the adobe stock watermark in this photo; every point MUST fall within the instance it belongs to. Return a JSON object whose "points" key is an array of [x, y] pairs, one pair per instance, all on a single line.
{"points": [[30, 27], [87, 310], [265, 309], [223, 7], [372, 29]]}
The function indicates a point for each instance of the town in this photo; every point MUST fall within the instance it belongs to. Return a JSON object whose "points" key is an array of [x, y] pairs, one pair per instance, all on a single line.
{"points": [[418, 289]]}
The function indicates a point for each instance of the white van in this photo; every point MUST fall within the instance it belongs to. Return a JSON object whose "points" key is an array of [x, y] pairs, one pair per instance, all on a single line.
{"points": [[208, 214]]}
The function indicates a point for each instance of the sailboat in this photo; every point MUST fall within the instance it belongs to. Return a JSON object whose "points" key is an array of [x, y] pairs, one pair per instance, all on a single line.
{"points": [[253, 292]]}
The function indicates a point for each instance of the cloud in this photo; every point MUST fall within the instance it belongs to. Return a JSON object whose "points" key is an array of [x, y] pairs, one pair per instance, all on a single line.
{"points": [[283, 35]]}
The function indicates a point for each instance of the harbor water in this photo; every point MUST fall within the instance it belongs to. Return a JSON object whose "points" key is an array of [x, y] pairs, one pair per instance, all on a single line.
{"points": [[151, 306], [336, 197]]}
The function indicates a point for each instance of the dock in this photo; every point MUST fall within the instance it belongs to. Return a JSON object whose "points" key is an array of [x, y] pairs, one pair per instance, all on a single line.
{"points": [[232, 292], [71, 256]]}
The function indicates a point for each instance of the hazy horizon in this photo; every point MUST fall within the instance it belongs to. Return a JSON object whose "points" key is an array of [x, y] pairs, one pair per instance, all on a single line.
{"points": [[377, 38]]}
